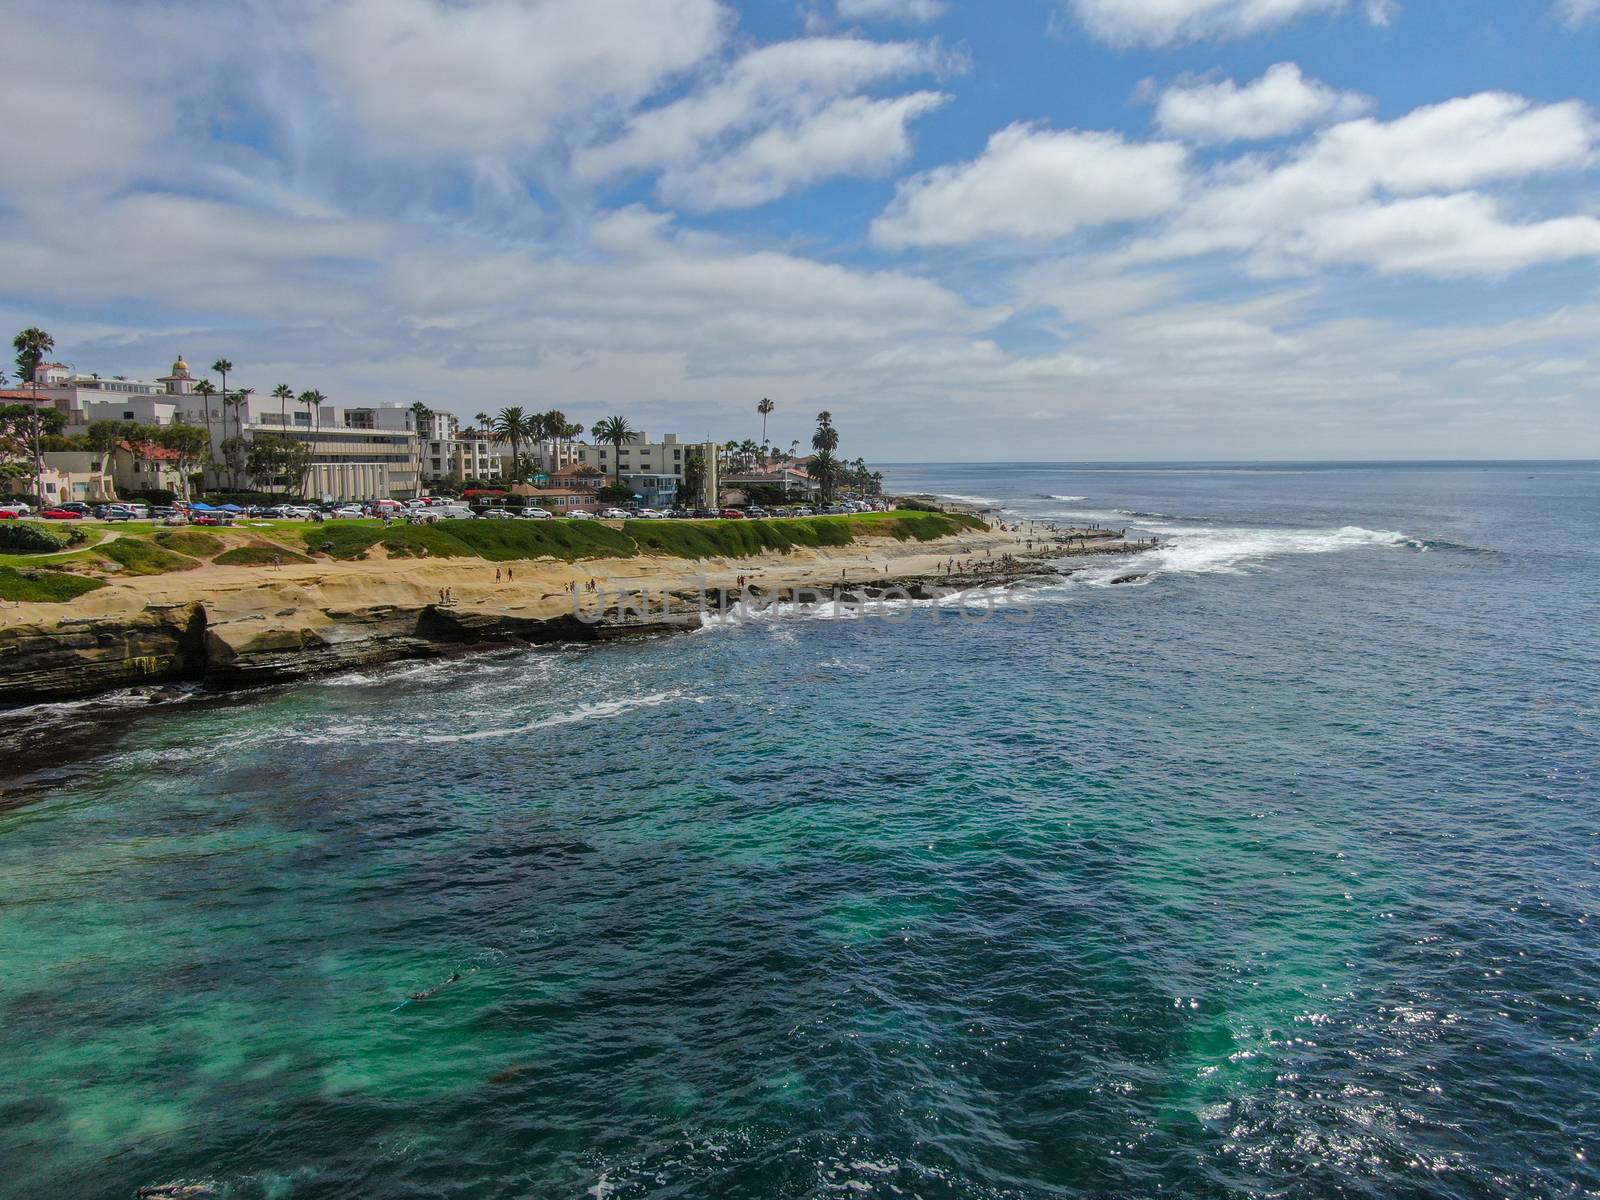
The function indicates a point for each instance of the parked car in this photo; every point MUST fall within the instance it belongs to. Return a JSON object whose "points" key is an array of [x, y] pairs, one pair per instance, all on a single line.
{"points": [[496, 514], [581, 516], [61, 514], [16, 508], [731, 514], [757, 514], [348, 513], [453, 512], [649, 514], [211, 518], [536, 514], [706, 514], [120, 512], [616, 514], [10, 514]]}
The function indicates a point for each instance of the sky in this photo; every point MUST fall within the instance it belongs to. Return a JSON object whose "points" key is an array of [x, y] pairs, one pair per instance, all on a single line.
{"points": [[971, 229]]}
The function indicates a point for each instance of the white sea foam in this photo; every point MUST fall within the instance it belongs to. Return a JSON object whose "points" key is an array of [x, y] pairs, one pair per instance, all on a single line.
{"points": [[1066, 499], [967, 499], [1222, 551], [584, 712]]}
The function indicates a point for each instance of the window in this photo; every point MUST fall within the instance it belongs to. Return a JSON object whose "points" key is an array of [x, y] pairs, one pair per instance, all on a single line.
{"points": [[127, 416]]}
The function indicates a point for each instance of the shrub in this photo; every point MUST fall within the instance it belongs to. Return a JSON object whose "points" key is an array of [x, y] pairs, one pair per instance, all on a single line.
{"points": [[30, 537]]}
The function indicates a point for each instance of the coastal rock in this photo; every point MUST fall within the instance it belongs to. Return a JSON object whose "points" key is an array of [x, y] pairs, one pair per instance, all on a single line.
{"points": [[81, 656], [1130, 578]]}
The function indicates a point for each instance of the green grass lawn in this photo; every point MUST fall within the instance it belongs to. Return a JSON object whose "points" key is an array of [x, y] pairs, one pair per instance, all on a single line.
{"points": [[193, 542], [258, 556], [49, 587], [136, 556], [498, 541]]}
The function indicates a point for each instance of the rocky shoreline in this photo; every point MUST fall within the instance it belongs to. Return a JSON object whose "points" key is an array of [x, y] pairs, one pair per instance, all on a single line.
{"points": [[231, 642]]}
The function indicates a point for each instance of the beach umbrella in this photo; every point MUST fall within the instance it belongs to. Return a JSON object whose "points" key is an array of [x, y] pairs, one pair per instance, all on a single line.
{"points": [[231, 508], [202, 507]]}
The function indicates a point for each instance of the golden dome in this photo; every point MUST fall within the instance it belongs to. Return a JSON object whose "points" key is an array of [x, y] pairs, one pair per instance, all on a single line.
{"points": [[180, 367]]}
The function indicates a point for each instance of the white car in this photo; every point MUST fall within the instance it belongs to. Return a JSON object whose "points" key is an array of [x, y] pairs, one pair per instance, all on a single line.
{"points": [[617, 514], [20, 510], [536, 514], [347, 513], [649, 514], [580, 516]]}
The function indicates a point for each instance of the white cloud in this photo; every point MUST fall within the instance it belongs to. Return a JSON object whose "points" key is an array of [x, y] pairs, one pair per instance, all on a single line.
{"points": [[781, 118], [1576, 12], [892, 10], [1445, 236], [1034, 184], [1281, 102], [1166, 22], [1325, 203], [493, 76], [783, 82], [850, 136]]}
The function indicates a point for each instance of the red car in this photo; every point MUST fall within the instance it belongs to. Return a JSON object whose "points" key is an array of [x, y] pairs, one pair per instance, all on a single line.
{"points": [[61, 514], [9, 514], [210, 519], [732, 514]]}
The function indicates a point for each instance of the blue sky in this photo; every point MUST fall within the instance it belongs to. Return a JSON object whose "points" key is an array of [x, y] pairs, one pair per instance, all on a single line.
{"points": [[1020, 229]]}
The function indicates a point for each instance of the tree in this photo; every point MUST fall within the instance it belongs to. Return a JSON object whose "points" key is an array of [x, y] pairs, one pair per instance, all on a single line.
{"points": [[236, 457], [513, 426], [205, 389], [237, 402], [694, 477], [104, 436], [826, 437], [283, 393], [823, 467], [22, 428], [419, 410], [271, 455], [765, 408], [190, 443], [616, 433], [313, 402], [31, 345]]}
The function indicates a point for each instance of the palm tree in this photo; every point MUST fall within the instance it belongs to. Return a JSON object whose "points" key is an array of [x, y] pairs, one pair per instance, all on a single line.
{"points": [[236, 402], [765, 409], [205, 389], [419, 410], [31, 345], [313, 401], [513, 426], [826, 437], [283, 393], [823, 467], [222, 366], [616, 433]]}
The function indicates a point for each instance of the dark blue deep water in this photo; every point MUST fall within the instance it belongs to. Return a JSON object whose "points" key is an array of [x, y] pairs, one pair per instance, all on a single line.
{"points": [[1273, 873]]}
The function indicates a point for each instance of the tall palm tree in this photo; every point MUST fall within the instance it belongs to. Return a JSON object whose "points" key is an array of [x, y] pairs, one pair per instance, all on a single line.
{"points": [[513, 426], [419, 410], [823, 467], [237, 402], [222, 366], [765, 409], [283, 393], [205, 389], [31, 345], [616, 433], [313, 402], [826, 437]]}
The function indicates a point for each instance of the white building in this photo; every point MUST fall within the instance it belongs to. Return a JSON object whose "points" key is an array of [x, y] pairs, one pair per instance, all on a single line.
{"points": [[451, 453], [646, 463], [358, 453]]}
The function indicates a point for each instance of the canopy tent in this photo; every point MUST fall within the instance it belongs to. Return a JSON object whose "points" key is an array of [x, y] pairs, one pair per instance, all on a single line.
{"points": [[201, 506], [231, 508]]}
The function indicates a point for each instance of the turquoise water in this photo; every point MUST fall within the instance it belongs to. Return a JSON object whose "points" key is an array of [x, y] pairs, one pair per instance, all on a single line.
{"points": [[1271, 874]]}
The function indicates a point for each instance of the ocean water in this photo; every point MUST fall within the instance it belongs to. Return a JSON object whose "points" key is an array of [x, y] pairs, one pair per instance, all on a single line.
{"points": [[1270, 874]]}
